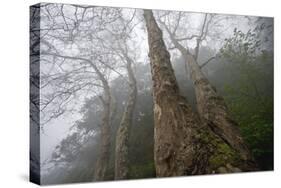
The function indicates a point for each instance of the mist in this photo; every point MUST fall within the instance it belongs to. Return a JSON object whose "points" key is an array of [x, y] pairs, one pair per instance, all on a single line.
{"points": [[95, 70]]}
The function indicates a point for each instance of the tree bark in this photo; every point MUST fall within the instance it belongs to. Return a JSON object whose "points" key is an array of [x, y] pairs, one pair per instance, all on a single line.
{"points": [[122, 137], [211, 107], [184, 143]]}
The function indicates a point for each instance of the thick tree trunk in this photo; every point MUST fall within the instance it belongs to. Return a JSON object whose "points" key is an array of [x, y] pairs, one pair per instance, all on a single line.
{"points": [[212, 108], [176, 126], [122, 137], [184, 143]]}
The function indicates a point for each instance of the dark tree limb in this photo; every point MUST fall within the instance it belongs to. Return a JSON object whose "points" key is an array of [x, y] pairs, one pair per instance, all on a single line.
{"points": [[206, 62]]}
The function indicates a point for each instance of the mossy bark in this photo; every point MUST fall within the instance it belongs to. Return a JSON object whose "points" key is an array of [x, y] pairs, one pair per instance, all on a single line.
{"points": [[184, 144], [123, 133]]}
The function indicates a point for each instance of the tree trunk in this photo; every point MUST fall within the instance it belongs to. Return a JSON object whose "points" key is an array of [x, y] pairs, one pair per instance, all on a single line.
{"points": [[122, 137], [104, 146], [184, 143], [212, 108]]}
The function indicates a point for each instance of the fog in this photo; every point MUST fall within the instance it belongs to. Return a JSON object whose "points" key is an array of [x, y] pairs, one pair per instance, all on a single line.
{"points": [[71, 89]]}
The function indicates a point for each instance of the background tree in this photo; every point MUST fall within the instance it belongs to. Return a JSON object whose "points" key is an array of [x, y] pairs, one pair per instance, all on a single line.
{"points": [[78, 67]]}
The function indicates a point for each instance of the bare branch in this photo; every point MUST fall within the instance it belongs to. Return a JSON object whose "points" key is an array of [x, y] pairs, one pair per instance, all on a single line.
{"points": [[206, 62], [83, 59], [62, 14], [199, 39], [188, 38], [177, 23], [175, 42]]}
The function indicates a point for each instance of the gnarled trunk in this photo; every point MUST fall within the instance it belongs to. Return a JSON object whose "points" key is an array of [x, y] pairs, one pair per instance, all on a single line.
{"points": [[184, 143], [174, 147], [122, 137]]}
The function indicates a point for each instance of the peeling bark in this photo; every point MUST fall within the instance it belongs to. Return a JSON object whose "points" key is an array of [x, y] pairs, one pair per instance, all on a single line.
{"points": [[176, 126], [122, 137], [184, 143]]}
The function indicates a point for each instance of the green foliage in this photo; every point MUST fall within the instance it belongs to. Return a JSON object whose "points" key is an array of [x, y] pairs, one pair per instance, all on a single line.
{"points": [[141, 141], [248, 91]]}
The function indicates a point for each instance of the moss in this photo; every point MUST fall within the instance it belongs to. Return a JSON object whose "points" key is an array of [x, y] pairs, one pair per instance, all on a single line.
{"points": [[220, 152], [223, 155], [142, 171]]}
